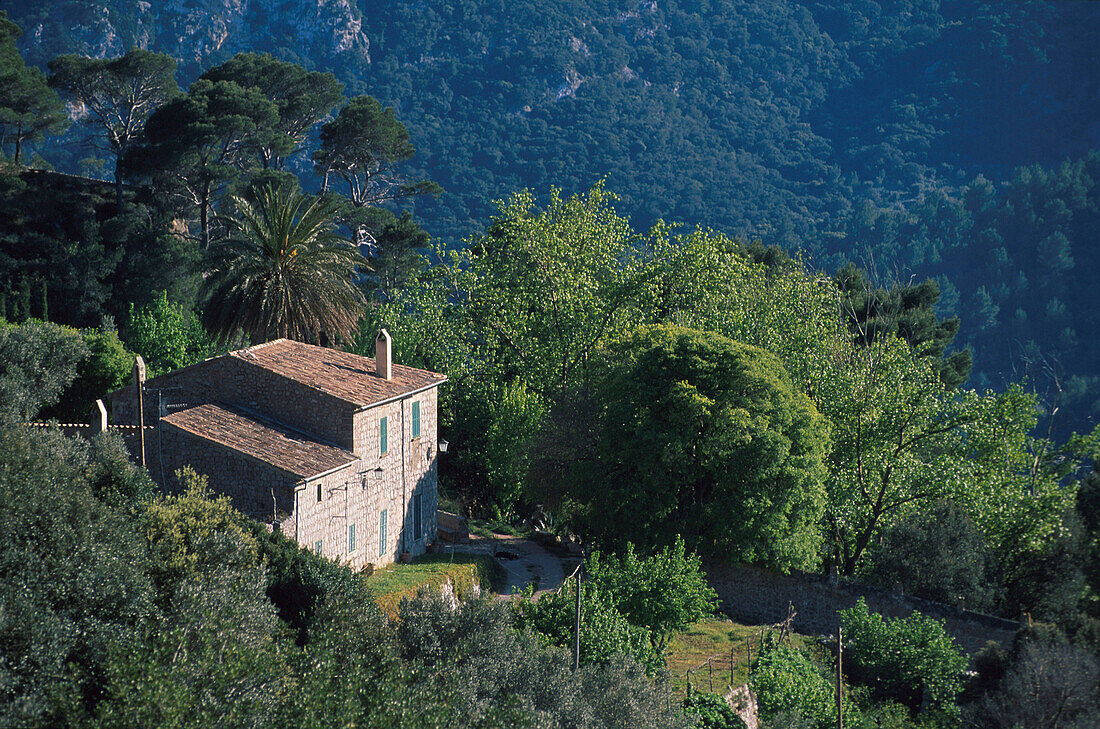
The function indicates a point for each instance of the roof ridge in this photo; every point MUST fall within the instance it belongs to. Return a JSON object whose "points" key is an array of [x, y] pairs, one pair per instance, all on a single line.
{"points": [[249, 350]]}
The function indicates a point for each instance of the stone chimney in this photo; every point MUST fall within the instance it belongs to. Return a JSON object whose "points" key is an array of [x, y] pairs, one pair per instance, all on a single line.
{"points": [[383, 355]]}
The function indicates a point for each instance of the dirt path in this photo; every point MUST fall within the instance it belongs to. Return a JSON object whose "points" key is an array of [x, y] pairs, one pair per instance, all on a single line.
{"points": [[524, 561]]}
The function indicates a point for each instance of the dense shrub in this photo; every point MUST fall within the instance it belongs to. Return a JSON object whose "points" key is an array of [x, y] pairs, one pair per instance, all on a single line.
{"points": [[910, 660]]}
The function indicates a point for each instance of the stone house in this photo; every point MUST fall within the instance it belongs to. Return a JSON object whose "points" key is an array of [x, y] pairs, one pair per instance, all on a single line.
{"points": [[335, 450]]}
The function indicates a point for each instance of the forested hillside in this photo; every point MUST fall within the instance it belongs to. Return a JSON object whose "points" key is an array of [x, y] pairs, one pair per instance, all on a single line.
{"points": [[896, 134], [662, 392]]}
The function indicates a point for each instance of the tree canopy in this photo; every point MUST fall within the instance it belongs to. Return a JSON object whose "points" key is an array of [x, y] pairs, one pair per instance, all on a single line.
{"points": [[700, 435], [29, 109], [116, 96], [303, 99], [282, 272]]}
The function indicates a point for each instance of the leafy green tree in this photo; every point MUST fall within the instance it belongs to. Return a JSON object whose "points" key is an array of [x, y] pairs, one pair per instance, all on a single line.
{"points": [[177, 530], [905, 659], [936, 553], [364, 146], [107, 367], [501, 419], [546, 286], [197, 143], [73, 582], [116, 96], [166, 335], [787, 682], [664, 593], [706, 280], [282, 272], [606, 634], [486, 668], [703, 436], [29, 109], [711, 712], [38, 360], [513, 319], [902, 441], [303, 99]]}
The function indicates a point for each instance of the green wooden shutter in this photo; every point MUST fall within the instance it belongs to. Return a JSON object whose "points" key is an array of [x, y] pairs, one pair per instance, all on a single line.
{"points": [[416, 419], [351, 537], [382, 533], [383, 437], [418, 531]]}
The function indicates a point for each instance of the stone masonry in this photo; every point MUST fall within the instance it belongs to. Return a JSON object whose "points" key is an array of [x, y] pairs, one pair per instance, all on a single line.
{"points": [[759, 596], [292, 433]]}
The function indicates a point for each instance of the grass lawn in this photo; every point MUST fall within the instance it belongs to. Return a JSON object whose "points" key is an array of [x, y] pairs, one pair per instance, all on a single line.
{"points": [[712, 638], [396, 581]]}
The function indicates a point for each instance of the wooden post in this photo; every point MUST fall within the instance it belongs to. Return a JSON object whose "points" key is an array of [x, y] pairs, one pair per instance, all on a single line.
{"points": [[839, 678], [710, 670], [139, 385], [731, 666]]}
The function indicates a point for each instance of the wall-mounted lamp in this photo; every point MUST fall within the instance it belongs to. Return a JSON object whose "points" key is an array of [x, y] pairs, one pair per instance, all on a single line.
{"points": [[375, 472], [443, 445]]}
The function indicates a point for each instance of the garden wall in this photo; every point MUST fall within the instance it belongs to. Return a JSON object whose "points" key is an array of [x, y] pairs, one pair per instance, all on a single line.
{"points": [[758, 597]]}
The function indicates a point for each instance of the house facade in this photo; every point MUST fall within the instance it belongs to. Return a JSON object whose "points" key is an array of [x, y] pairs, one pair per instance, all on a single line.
{"points": [[335, 450]]}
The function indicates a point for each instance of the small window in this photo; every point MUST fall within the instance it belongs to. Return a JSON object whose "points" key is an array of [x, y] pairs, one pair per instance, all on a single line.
{"points": [[418, 531], [383, 437], [351, 537], [319, 493], [317, 546], [416, 419], [382, 533]]}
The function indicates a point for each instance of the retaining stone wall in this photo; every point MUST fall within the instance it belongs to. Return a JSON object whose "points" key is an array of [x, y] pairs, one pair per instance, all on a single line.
{"points": [[758, 597]]}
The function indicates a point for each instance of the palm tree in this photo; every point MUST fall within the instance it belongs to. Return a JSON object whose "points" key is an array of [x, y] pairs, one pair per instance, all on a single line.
{"points": [[282, 272]]}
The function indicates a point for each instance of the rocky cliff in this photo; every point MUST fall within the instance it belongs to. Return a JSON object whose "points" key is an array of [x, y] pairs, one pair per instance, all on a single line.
{"points": [[322, 34]]}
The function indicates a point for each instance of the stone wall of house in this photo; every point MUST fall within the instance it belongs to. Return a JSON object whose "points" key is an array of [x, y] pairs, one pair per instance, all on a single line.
{"points": [[355, 495], [358, 495], [322, 415], [758, 597], [256, 488], [233, 380]]}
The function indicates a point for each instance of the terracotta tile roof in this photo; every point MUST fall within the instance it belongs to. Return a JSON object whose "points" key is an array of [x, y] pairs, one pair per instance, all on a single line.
{"points": [[262, 439], [346, 376]]}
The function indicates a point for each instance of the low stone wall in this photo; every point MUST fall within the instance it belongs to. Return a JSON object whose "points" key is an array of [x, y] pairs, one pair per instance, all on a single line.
{"points": [[758, 597]]}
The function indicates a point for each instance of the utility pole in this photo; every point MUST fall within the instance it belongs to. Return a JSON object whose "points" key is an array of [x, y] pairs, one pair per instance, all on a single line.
{"points": [[839, 678], [577, 623]]}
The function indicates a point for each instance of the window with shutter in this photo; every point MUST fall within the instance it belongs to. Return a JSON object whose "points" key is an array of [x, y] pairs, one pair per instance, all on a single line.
{"points": [[382, 533]]}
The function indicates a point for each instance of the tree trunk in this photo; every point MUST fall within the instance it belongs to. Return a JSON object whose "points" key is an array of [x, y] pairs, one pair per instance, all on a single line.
{"points": [[204, 218]]}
